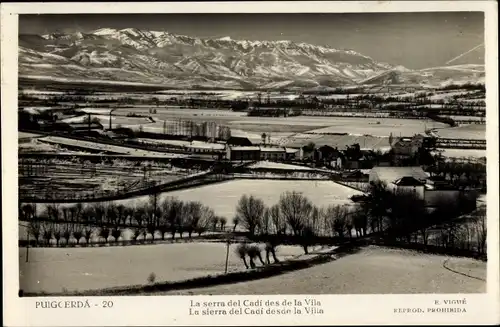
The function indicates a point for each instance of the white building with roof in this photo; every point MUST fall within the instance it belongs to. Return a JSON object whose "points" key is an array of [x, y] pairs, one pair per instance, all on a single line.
{"points": [[401, 178]]}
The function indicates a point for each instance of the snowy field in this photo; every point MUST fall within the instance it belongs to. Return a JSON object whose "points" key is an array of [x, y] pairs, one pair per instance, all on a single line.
{"points": [[472, 131], [277, 165], [377, 127], [56, 269], [339, 141], [223, 197], [105, 147], [24, 135], [185, 144], [459, 118], [463, 153], [373, 270]]}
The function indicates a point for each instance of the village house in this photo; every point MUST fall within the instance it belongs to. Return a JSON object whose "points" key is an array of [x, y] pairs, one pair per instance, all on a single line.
{"points": [[243, 153], [293, 154], [403, 148], [414, 179], [272, 153]]}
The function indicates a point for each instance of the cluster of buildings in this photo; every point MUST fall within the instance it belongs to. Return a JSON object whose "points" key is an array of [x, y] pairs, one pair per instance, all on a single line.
{"points": [[242, 149]]}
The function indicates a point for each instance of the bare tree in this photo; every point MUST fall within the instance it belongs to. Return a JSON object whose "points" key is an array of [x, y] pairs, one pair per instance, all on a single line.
{"points": [[315, 219], [57, 233], [104, 233], [77, 232], [336, 216], [112, 214], [307, 237], [116, 232], [121, 212], [481, 231], [54, 211], [87, 233], [47, 228], [250, 211], [377, 204], [206, 218], [140, 218], [99, 213], [407, 215], [296, 209], [172, 210], [360, 220], [222, 222], [266, 222], [278, 220], [193, 216], [28, 211], [214, 221], [153, 214], [67, 231], [236, 221], [349, 223]]}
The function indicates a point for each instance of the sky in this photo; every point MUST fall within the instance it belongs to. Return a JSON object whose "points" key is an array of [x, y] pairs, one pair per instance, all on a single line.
{"points": [[413, 40]]}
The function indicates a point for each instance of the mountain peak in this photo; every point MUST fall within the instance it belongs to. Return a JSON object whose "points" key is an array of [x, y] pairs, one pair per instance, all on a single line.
{"points": [[104, 31], [160, 57]]}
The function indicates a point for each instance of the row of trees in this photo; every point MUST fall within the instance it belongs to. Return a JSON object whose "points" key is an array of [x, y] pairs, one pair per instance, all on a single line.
{"points": [[296, 218], [152, 220], [394, 216]]}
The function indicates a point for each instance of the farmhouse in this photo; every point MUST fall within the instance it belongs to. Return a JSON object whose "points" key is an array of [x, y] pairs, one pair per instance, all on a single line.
{"points": [[414, 179], [292, 153], [243, 153], [273, 153], [405, 147], [400, 178]]}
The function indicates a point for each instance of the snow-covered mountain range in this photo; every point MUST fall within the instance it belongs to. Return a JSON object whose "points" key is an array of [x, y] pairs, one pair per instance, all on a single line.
{"points": [[177, 61]]}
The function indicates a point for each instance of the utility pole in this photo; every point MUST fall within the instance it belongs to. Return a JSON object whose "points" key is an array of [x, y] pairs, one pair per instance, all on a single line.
{"points": [[110, 118], [228, 242]]}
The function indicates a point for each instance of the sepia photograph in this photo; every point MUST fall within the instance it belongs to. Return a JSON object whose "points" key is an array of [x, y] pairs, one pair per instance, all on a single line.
{"points": [[158, 154], [239, 154]]}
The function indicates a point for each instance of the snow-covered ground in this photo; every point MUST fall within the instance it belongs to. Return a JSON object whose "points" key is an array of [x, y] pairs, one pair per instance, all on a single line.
{"points": [[374, 270], [56, 269], [277, 165], [186, 144], [463, 153], [105, 147], [376, 126], [223, 197], [471, 131]]}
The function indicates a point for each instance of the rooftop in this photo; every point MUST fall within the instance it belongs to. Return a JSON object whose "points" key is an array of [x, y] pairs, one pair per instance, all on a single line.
{"points": [[391, 174], [408, 181], [272, 149], [245, 148]]}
